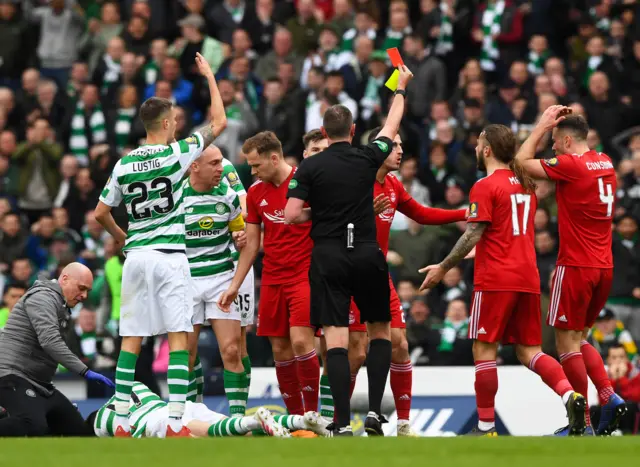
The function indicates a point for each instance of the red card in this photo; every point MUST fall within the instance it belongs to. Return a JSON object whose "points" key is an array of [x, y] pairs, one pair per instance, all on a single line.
{"points": [[394, 55]]}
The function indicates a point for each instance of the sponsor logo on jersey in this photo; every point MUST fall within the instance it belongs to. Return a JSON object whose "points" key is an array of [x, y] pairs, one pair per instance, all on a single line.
{"points": [[277, 216], [263, 203], [233, 178], [393, 197], [293, 183], [203, 233], [220, 208], [191, 140], [205, 222], [551, 162], [473, 210], [384, 147]]}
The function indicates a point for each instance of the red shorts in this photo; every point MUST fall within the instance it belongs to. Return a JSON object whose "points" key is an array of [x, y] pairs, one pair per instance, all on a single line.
{"points": [[577, 296], [283, 306], [506, 317], [397, 313]]}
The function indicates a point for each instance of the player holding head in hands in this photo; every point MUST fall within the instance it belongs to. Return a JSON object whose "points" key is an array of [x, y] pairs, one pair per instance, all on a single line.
{"points": [[506, 298], [156, 284], [585, 193]]}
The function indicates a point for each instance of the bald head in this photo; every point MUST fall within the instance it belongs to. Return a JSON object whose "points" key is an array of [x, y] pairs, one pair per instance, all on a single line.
{"points": [[206, 172], [76, 281]]}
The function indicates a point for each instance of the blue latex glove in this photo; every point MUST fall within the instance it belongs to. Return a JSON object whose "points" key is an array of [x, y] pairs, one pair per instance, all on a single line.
{"points": [[93, 376]]}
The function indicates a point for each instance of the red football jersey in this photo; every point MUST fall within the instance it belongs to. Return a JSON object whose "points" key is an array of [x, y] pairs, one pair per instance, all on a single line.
{"points": [[505, 255], [585, 193], [287, 248], [395, 191]]}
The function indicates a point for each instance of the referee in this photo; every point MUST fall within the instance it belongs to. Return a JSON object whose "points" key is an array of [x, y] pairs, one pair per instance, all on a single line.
{"points": [[346, 261], [31, 347]]}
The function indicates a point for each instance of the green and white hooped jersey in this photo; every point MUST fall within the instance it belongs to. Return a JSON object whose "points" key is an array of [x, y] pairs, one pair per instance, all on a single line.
{"points": [[231, 176], [209, 219], [149, 181], [142, 404]]}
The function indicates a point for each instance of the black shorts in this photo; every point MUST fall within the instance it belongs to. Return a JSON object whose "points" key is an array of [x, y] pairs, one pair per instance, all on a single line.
{"points": [[337, 274]]}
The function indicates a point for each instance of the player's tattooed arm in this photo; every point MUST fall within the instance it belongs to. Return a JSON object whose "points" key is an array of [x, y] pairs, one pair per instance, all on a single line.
{"points": [[464, 245], [208, 135]]}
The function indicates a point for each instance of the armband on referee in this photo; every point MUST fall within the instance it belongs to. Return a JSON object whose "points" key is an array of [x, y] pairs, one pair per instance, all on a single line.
{"points": [[401, 92]]}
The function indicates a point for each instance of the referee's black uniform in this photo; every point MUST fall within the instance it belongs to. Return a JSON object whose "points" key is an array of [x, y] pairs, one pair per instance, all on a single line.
{"points": [[347, 262]]}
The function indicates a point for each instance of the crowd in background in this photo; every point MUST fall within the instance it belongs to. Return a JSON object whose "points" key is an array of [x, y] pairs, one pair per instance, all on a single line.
{"points": [[73, 74]]}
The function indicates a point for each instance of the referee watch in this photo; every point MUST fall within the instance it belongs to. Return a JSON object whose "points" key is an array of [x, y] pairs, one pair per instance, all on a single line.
{"points": [[401, 92]]}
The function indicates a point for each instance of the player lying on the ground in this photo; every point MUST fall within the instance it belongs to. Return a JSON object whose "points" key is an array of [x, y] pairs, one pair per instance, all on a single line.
{"points": [[149, 415]]}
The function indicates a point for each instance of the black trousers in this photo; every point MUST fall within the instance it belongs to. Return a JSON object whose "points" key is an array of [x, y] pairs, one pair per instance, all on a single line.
{"points": [[33, 414], [338, 274]]}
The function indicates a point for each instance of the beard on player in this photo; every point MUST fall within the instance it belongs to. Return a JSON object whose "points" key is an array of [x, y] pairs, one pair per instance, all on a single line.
{"points": [[481, 164]]}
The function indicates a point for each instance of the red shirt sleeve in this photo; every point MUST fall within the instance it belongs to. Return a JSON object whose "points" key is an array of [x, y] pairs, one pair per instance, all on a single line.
{"points": [[562, 167], [253, 216], [430, 216], [481, 202], [628, 388], [514, 34]]}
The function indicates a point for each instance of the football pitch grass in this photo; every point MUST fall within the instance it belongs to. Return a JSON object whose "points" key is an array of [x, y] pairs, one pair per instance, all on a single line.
{"points": [[448, 452]]}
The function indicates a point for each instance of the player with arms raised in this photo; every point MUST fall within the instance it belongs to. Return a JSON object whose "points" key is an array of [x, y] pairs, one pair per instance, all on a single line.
{"points": [[585, 189], [156, 284], [284, 309], [506, 298]]}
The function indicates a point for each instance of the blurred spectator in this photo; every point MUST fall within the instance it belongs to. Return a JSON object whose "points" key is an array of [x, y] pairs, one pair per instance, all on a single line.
{"points": [[68, 169], [410, 250], [546, 255], [452, 287], [21, 271], [123, 118], [624, 375], [624, 299], [151, 69], [399, 26], [101, 31], [14, 40], [364, 26], [194, 41], [407, 292], [408, 176], [8, 171], [430, 79], [13, 240], [282, 50], [608, 331], [61, 224], [333, 94], [371, 102], [343, 17], [83, 196], [94, 237], [137, 37], [50, 104], [225, 17], [455, 327], [88, 125], [598, 61], [436, 172], [11, 295], [305, 27], [420, 324], [261, 26], [499, 108], [274, 115], [108, 69], [538, 53], [78, 79], [26, 97], [181, 89], [241, 121], [328, 55], [37, 160], [61, 26]]}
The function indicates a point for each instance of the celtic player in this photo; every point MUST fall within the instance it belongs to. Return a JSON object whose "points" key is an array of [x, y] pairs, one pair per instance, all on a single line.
{"points": [[245, 300], [148, 416], [156, 285], [212, 215]]}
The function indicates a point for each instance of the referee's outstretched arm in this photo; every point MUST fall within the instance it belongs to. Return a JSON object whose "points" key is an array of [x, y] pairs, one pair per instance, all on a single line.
{"points": [[392, 124]]}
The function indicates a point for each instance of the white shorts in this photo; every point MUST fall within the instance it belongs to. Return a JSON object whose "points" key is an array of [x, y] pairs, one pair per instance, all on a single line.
{"points": [[206, 292], [156, 294], [158, 420], [246, 300]]}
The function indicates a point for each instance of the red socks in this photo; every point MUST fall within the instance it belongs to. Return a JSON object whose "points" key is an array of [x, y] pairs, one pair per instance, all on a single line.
{"points": [[573, 366], [309, 377], [551, 373], [287, 374], [400, 378], [595, 369], [486, 386]]}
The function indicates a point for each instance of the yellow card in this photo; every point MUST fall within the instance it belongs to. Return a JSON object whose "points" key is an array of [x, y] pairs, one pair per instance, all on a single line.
{"points": [[392, 82]]}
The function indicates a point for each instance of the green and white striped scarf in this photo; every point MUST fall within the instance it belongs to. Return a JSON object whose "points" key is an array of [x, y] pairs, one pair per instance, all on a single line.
{"points": [[491, 19], [151, 71], [96, 246], [88, 343], [79, 142], [394, 38], [123, 126], [371, 96], [536, 62], [450, 331], [111, 74], [349, 38], [592, 66], [445, 39]]}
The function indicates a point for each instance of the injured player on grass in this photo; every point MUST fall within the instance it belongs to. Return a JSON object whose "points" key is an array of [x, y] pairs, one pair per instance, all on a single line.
{"points": [[148, 417]]}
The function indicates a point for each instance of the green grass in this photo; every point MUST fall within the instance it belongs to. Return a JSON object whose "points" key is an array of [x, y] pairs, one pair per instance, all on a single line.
{"points": [[387, 452]]}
